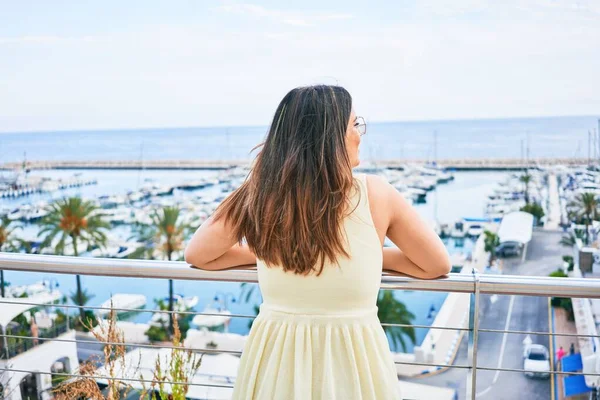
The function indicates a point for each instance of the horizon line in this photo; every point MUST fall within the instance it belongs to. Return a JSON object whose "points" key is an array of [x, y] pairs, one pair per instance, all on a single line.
{"points": [[147, 128]]}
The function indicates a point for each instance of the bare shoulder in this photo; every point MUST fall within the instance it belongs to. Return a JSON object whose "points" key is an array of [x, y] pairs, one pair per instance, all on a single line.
{"points": [[378, 188], [385, 201]]}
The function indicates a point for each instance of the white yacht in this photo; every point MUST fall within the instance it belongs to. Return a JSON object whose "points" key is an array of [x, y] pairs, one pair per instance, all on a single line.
{"points": [[111, 201], [122, 300], [440, 175], [115, 250], [45, 287], [180, 303], [213, 322]]}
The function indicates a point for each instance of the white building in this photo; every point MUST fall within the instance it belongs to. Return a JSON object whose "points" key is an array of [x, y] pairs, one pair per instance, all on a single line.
{"points": [[40, 358]]}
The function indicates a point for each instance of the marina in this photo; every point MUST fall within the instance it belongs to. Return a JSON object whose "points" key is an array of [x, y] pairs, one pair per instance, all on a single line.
{"points": [[481, 200], [128, 198]]}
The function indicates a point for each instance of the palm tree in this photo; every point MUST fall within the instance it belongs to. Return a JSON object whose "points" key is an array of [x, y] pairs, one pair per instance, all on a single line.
{"points": [[491, 242], [585, 205], [246, 291], [568, 240], [84, 297], [526, 179], [8, 242], [392, 311], [163, 239], [74, 221]]}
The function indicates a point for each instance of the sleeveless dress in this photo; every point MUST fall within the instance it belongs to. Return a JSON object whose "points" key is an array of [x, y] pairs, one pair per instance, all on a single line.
{"points": [[318, 337]]}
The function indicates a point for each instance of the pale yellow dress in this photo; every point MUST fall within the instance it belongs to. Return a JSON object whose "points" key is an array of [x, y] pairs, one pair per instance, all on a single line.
{"points": [[318, 337]]}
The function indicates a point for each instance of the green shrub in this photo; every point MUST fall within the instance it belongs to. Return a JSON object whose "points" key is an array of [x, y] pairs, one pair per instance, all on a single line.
{"points": [[569, 260], [534, 209], [566, 304], [559, 273], [562, 302], [90, 322], [157, 334]]}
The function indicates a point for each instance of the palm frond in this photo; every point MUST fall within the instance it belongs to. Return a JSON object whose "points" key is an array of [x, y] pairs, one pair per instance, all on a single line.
{"points": [[77, 220], [392, 311], [568, 241], [166, 233], [85, 297]]}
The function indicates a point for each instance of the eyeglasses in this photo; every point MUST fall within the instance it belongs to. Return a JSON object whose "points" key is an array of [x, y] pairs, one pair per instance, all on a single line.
{"points": [[360, 125]]}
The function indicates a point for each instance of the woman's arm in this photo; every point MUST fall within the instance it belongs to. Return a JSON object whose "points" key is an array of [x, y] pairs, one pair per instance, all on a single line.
{"points": [[420, 251], [214, 248], [395, 260]]}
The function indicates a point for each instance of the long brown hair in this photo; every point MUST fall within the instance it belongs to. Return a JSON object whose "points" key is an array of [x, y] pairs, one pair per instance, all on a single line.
{"points": [[292, 204]]}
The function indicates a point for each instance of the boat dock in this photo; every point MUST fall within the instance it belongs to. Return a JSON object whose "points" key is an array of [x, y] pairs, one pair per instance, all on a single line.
{"points": [[481, 164], [34, 184]]}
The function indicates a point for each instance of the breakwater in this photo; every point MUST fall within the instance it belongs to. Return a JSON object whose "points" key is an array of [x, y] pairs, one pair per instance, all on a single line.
{"points": [[491, 164]]}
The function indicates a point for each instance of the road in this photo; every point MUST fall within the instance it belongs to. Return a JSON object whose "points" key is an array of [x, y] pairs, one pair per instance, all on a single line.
{"points": [[523, 313]]}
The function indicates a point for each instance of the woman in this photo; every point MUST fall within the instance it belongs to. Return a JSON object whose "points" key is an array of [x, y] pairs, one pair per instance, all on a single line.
{"points": [[316, 234]]}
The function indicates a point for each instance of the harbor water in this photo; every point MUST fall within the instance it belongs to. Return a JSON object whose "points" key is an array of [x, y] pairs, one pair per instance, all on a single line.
{"points": [[460, 139]]}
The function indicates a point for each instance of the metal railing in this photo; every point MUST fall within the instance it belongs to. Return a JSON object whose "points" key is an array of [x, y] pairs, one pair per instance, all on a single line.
{"points": [[473, 284]]}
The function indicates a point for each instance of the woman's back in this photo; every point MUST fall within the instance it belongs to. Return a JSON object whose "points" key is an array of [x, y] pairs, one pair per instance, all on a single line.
{"points": [[349, 286], [319, 334]]}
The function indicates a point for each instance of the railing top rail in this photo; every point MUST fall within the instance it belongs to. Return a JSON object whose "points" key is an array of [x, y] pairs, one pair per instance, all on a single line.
{"points": [[461, 283]]}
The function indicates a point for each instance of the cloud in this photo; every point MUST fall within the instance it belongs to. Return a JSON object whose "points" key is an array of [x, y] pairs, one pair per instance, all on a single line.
{"points": [[44, 39], [582, 7], [294, 18], [226, 72], [507, 9]]}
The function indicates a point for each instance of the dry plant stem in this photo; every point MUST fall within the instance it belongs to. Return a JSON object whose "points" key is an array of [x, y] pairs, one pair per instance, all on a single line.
{"points": [[86, 386], [182, 366]]}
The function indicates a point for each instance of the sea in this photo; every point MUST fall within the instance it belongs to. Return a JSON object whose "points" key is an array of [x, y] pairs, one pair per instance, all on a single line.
{"points": [[463, 197], [456, 139]]}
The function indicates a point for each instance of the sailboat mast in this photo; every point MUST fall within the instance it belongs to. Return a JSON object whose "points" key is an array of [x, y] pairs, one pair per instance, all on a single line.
{"points": [[435, 147], [141, 163], [589, 148], [527, 153]]}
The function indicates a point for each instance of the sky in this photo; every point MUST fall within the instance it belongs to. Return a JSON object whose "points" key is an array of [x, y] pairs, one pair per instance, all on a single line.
{"points": [[143, 63]]}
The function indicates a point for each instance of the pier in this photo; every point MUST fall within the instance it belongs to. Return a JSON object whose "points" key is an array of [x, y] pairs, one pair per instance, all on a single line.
{"points": [[35, 184], [474, 164]]}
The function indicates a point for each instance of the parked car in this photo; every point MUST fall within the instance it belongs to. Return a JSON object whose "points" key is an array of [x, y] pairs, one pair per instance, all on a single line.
{"points": [[507, 249], [537, 361]]}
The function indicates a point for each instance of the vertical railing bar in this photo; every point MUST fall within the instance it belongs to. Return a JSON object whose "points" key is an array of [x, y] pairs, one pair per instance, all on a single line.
{"points": [[473, 335]]}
